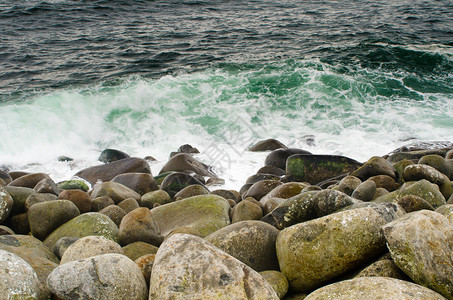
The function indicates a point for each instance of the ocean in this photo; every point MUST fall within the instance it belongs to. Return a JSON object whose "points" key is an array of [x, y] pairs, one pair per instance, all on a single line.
{"points": [[354, 78]]}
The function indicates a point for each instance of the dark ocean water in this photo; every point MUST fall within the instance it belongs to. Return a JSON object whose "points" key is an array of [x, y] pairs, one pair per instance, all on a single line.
{"points": [[358, 77]]}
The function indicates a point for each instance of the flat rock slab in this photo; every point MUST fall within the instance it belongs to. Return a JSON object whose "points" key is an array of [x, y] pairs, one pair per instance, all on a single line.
{"points": [[366, 288], [421, 244], [189, 267]]}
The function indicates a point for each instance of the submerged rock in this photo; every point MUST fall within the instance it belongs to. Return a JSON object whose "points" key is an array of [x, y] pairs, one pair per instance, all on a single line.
{"points": [[188, 267]]}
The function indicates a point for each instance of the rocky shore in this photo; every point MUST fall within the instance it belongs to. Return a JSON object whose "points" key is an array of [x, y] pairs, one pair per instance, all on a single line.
{"points": [[305, 226]]}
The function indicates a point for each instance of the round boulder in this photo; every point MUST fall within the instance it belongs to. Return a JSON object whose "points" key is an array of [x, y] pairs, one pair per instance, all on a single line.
{"points": [[90, 246]]}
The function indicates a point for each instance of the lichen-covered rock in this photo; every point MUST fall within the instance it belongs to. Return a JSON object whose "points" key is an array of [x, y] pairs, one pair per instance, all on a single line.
{"points": [[116, 191], [188, 267], [285, 191], [108, 171], [447, 211], [138, 225], [156, 197], [383, 267], [145, 263], [73, 184], [137, 249], [423, 189], [261, 188], [419, 172], [277, 281], [385, 181], [366, 288], [375, 166], [90, 246], [115, 213], [18, 279], [6, 204], [314, 252], [316, 168], [47, 216], [84, 225], [252, 242], [141, 183], [105, 276], [348, 184], [412, 203], [421, 245], [437, 162], [19, 195], [204, 213]]}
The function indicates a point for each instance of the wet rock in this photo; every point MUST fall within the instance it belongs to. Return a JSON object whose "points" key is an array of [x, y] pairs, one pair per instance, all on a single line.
{"points": [[19, 223], [160, 197], [437, 162], [19, 280], [4, 230], [277, 158], [115, 213], [385, 181], [316, 168], [277, 281], [80, 198], [365, 191], [116, 191], [331, 245], [272, 204], [128, 205], [189, 267], [266, 145], [204, 213], [19, 195], [73, 184], [138, 249], [421, 244], [186, 148], [5, 176], [423, 189], [374, 288], [412, 203], [227, 194], [261, 176], [47, 185], [285, 191], [6, 204], [90, 246], [111, 155], [45, 217], [190, 191], [84, 225], [184, 162], [252, 242], [101, 202], [447, 211], [418, 172], [375, 166], [29, 180], [106, 276], [215, 181], [108, 171], [138, 225], [175, 182], [38, 198], [141, 183], [261, 188], [271, 170], [348, 184]]}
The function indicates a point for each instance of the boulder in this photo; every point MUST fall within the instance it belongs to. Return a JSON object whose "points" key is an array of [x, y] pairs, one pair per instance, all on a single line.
{"points": [[84, 225], [108, 171], [375, 166], [111, 155], [4, 230], [138, 225], [141, 183], [383, 267], [19, 195], [19, 223], [271, 170], [277, 281], [99, 203], [80, 198], [436, 161], [262, 176], [246, 210], [45, 217], [261, 188], [317, 168], [204, 213], [348, 184], [63, 244], [6, 204], [252, 242], [73, 184], [285, 191], [447, 211], [128, 204], [115, 213], [105, 276], [421, 245], [385, 181], [145, 264], [365, 288], [424, 189], [227, 194], [412, 203], [116, 191], [156, 197], [365, 191], [184, 162], [47, 185], [277, 158], [312, 253], [138, 249], [38, 198], [190, 191], [266, 145], [186, 148], [418, 172], [175, 182], [5, 177], [188, 267], [29, 180], [19, 280], [90, 246]]}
